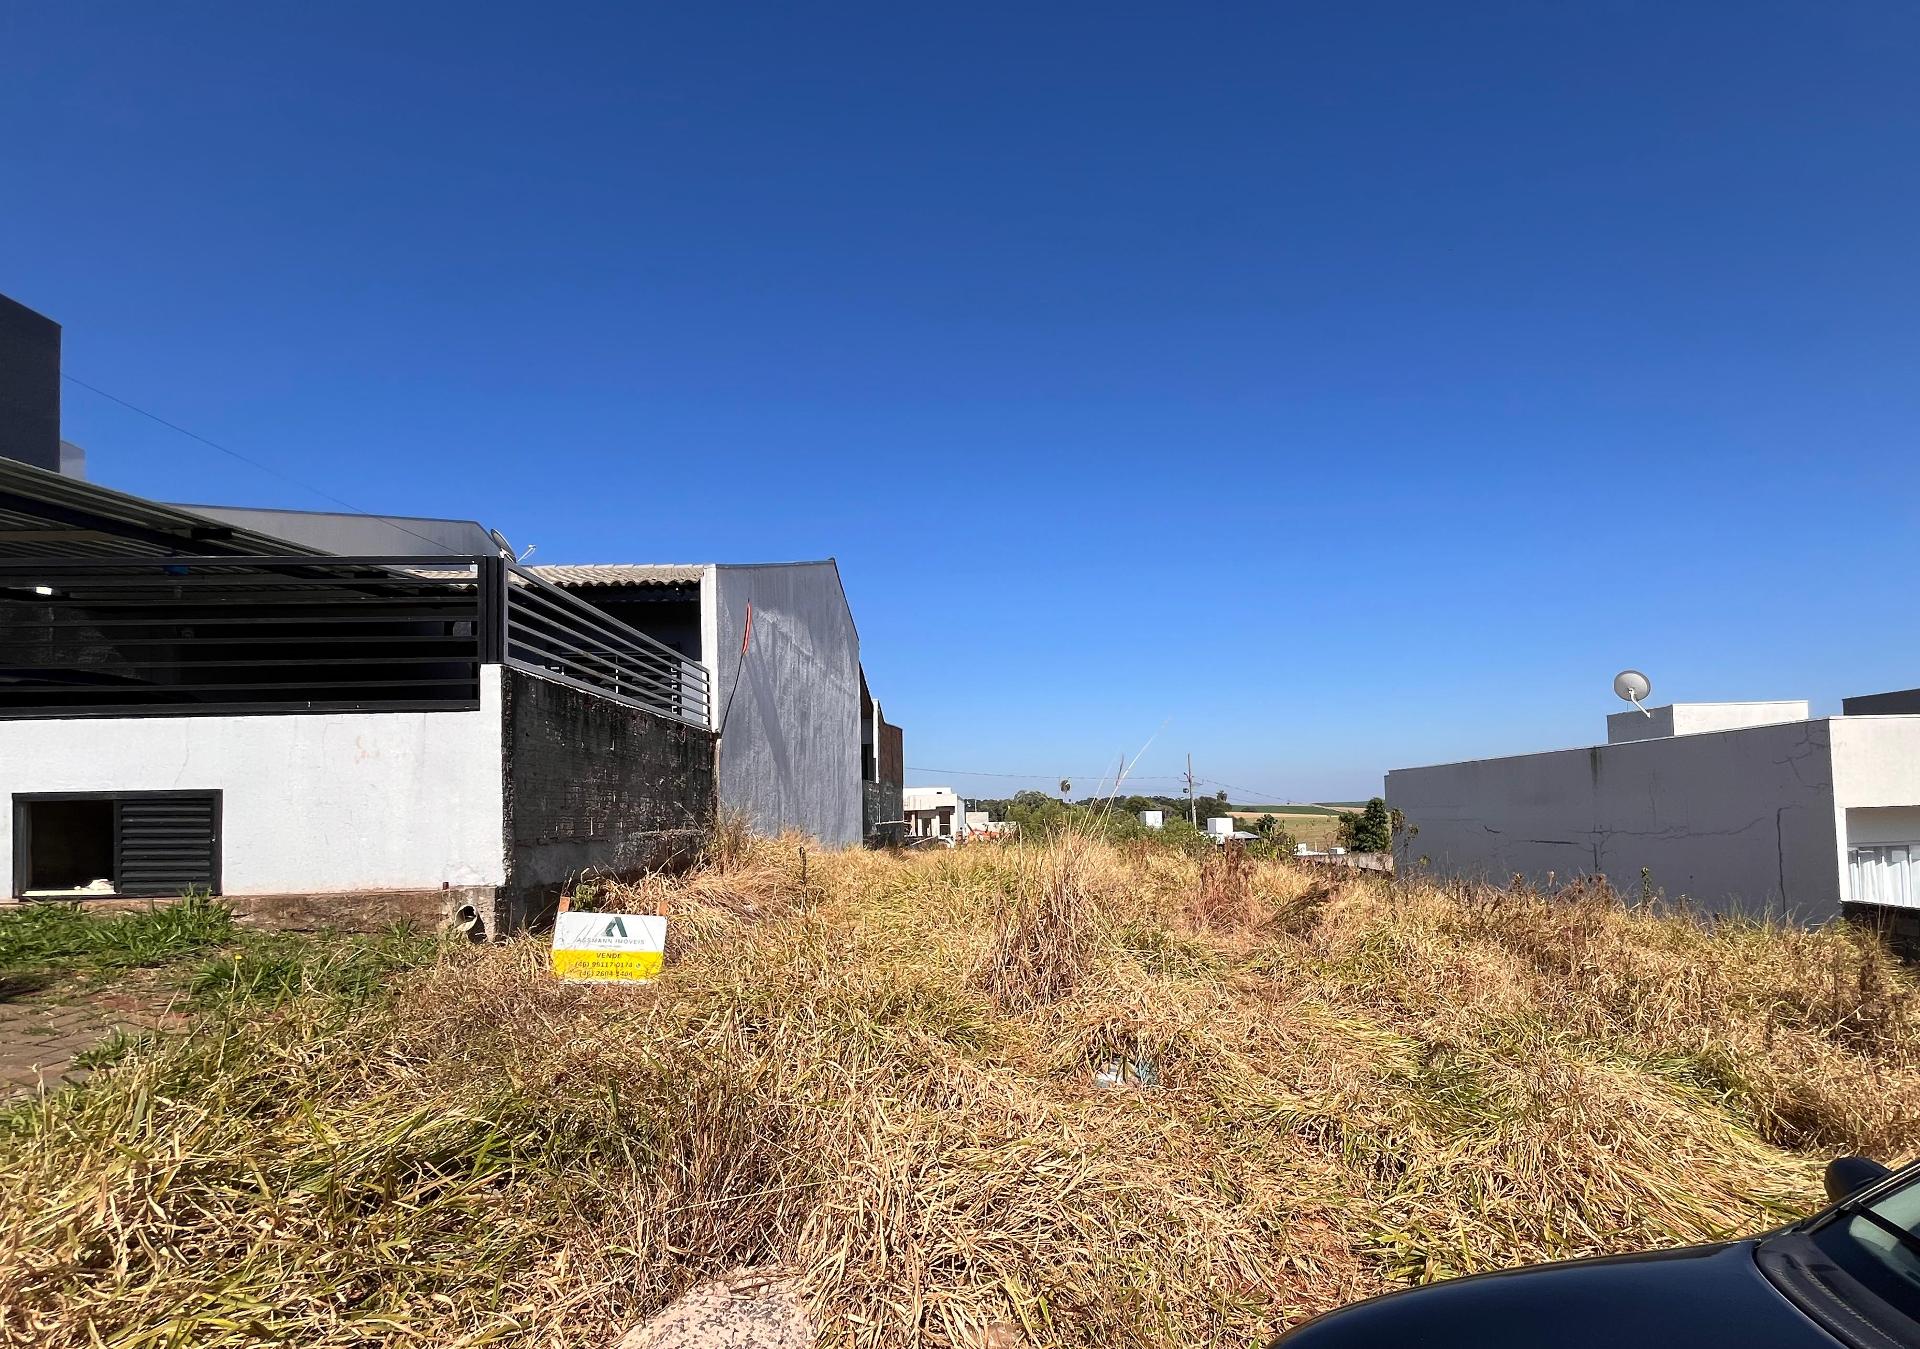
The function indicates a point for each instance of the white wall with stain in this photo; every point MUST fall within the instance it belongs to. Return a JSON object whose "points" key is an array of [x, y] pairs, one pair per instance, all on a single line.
{"points": [[310, 802]]}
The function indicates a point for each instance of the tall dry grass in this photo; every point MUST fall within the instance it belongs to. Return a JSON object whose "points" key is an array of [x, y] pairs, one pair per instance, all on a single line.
{"points": [[883, 1071]]}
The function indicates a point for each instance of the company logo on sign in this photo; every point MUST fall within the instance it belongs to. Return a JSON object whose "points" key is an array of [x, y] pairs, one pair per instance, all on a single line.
{"points": [[609, 948]]}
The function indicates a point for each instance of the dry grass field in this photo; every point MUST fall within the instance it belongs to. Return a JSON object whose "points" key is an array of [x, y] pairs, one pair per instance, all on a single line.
{"points": [[886, 1076]]}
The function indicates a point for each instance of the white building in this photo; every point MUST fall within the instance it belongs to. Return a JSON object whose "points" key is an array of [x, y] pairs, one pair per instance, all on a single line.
{"points": [[1752, 808], [1224, 829], [933, 812]]}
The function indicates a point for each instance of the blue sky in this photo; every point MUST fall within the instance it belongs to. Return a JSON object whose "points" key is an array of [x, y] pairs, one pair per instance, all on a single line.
{"points": [[1324, 388]]}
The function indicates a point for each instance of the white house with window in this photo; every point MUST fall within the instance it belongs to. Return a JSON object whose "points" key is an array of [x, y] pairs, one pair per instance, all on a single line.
{"points": [[933, 812], [1754, 808]]}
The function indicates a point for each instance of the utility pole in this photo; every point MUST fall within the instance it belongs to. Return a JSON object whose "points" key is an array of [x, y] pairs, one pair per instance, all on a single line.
{"points": [[1193, 813]]}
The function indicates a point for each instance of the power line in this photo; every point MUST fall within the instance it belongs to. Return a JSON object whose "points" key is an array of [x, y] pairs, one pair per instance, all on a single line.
{"points": [[974, 773], [1251, 793], [249, 460]]}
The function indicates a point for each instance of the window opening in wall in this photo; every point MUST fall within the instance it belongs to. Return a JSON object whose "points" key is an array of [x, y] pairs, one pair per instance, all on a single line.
{"points": [[1885, 873], [69, 847], [146, 844]]}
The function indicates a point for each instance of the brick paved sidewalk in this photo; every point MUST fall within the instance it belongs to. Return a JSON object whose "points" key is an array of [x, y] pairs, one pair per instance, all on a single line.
{"points": [[41, 1032]]}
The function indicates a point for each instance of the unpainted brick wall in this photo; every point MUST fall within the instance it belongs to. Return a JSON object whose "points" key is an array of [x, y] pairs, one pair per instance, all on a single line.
{"points": [[596, 787]]}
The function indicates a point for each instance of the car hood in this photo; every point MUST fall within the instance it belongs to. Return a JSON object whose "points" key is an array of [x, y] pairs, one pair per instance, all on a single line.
{"points": [[1703, 1295]]}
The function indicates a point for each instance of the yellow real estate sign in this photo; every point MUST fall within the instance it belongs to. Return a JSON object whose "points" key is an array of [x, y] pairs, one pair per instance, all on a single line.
{"points": [[608, 948]]}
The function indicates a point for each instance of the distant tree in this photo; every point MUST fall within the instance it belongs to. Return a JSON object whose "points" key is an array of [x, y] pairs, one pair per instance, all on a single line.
{"points": [[1368, 830], [1265, 825], [1276, 842], [1036, 812], [1183, 837]]}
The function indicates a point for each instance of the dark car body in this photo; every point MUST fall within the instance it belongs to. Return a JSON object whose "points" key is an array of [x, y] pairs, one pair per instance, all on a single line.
{"points": [[1794, 1289]]}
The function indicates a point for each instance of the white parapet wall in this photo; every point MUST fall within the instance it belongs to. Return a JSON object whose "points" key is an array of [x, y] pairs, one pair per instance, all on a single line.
{"points": [[1876, 761], [311, 802], [1701, 718]]}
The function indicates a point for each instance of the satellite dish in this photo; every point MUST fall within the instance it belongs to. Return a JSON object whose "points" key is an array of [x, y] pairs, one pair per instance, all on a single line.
{"points": [[507, 550], [1634, 687]]}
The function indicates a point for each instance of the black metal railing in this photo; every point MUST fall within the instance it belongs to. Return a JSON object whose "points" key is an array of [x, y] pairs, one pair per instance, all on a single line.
{"points": [[553, 632], [144, 636]]}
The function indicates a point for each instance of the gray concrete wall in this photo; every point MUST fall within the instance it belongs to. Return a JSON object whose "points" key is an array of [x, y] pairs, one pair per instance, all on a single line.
{"points": [[1739, 821], [790, 750], [595, 786]]}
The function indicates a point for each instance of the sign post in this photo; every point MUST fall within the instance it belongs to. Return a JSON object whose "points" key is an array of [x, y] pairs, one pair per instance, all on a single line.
{"points": [[608, 948]]}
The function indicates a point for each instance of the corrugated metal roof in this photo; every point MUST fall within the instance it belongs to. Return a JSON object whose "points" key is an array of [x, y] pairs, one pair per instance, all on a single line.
{"points": [[618, 573], [357, 534], [43, 514]]}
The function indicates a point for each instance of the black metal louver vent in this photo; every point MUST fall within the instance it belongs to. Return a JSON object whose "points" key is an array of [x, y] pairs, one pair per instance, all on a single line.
{"points": [[168, 844]]}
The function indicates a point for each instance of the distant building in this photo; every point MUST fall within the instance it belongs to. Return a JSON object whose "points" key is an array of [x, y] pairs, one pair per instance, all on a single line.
{"points": [[1752, 808], [934, 812], [1224, 829], [883, 771], [981, 824]]}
